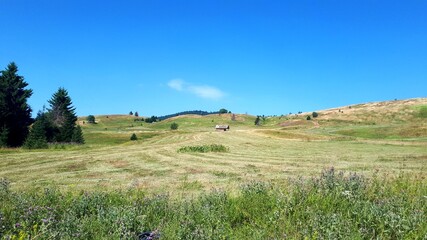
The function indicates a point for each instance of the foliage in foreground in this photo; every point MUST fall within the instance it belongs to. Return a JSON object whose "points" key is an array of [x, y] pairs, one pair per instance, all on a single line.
{"points": [[332, 206], [203, 148]]}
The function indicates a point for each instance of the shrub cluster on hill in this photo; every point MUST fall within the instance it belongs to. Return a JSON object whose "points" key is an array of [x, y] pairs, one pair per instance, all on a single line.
{"points": [[204, 148]]}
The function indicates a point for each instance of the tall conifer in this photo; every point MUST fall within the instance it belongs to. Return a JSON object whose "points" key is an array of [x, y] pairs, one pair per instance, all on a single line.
{"points": [[15, 113], [62, 115]]}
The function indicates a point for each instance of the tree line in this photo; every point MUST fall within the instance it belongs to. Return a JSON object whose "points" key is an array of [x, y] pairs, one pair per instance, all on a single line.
{"points": [[195, 112], [57, 124]]}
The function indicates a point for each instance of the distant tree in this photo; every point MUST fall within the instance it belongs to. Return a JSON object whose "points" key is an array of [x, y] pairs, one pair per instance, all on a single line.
{"points": [[15, 113], [136, 114], [133, 137], [315, 114], [308, 117], [62, 115], [223, 110], [37, 137], [131, 113], [174, 126], [152, 119], [90, 119], [257, 120]]}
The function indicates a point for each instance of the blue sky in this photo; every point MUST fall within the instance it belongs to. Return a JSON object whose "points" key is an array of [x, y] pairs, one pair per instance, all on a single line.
{"points": [[259, 57]]}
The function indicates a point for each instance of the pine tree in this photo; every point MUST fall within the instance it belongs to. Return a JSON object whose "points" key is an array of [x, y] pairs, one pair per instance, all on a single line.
{"points": [[133, 137], [15, 113], [37, 137], [78, 135], [63, 117]]}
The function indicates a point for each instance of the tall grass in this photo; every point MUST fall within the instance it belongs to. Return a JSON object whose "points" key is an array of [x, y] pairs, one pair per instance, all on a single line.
{"points": [[331, 206]]}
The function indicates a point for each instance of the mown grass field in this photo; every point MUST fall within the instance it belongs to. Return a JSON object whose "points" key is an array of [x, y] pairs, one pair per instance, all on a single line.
{"points": [[389, 137], [384, 140]]}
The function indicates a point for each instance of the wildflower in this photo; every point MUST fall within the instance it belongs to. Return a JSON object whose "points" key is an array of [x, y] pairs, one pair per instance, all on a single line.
{"points": [[347, 193]]}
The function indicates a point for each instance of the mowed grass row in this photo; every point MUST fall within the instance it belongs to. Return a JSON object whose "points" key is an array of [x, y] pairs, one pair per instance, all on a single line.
{"points": [[156, 165], [333, 205]]}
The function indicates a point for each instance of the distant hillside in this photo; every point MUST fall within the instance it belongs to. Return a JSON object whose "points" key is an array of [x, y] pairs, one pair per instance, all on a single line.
{"points": [[397, 111], [194, 112]]}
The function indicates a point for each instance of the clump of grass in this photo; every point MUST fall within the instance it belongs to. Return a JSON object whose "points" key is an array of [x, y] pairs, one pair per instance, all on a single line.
{"points": [[204, 148]]}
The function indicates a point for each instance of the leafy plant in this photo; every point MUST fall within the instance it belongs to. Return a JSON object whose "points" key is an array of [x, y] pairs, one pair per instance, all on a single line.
{"points": [[204, 148]]}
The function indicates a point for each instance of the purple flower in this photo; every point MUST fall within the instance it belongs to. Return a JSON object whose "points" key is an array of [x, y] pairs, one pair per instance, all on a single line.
{"points": [[17, 225]]}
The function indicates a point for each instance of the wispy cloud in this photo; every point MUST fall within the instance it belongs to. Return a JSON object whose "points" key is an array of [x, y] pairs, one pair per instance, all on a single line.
{"points": [[204, 91], [176, 84]]}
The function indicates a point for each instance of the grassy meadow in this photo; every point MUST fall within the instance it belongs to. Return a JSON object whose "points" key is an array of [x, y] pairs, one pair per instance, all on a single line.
{"points": [[359, 171]]}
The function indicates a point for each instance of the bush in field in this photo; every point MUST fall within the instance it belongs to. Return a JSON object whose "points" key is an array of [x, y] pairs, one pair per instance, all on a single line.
{"points": [[90, 119], [37, 137], [204, 148], [174, 126], [308, 118], [315, 114], [423, 112], [133, 137]]}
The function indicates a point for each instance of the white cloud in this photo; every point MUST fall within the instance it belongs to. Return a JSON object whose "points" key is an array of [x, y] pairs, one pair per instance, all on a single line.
{"points": [[176, 84], [207, 92]]}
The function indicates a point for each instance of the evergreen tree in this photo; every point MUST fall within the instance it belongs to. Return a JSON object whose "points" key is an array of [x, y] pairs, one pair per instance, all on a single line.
{"points": [[133, 137], [37, 137], [15, 113], [63, 117], [78, 135]]}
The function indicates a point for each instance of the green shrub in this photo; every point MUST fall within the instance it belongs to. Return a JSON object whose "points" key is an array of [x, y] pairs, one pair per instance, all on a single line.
{"points": [[90, 119], [423, 112], [308, 118], [204, 148], [133, 137], [174, 126], [315, 114]]}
